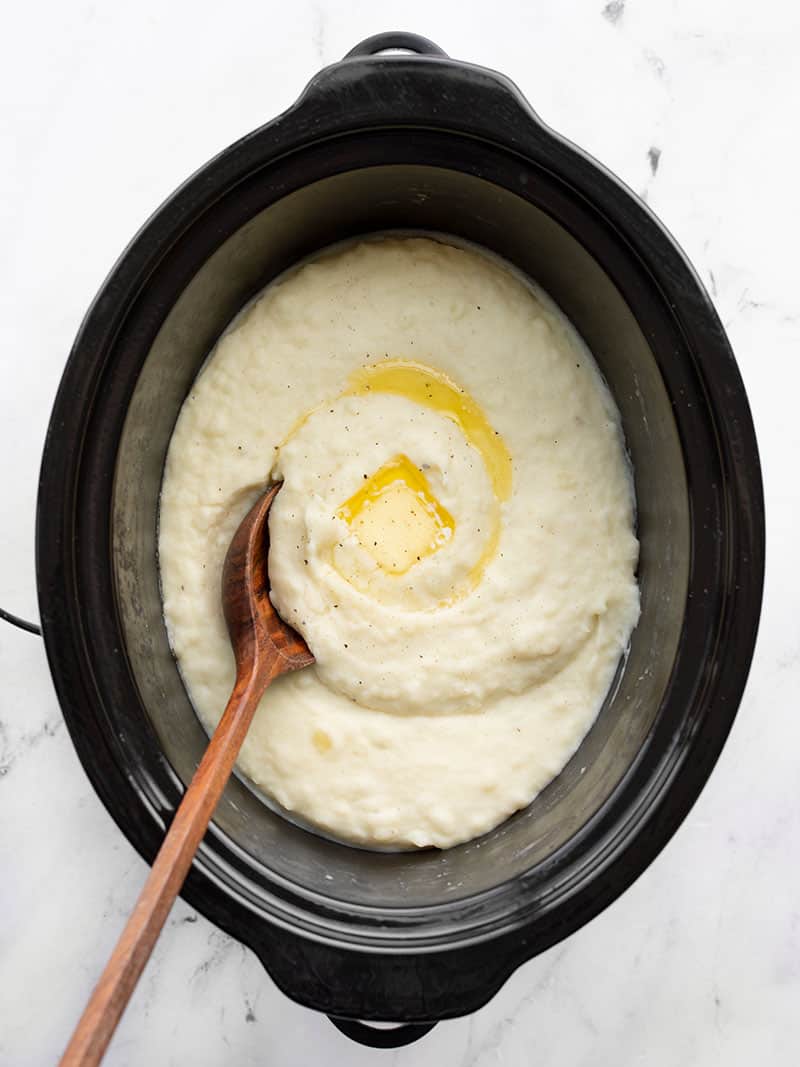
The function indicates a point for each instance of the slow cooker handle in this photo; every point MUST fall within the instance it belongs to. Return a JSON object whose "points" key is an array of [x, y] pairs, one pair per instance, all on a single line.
{"points": [[379, 1036], [408, 42]]}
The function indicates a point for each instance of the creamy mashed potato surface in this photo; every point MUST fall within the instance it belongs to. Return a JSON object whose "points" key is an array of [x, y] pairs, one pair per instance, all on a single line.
{"points": [[454, 538]]}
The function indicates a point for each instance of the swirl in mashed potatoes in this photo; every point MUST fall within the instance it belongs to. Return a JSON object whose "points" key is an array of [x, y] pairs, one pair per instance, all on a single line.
{"points": [[454, 538]]}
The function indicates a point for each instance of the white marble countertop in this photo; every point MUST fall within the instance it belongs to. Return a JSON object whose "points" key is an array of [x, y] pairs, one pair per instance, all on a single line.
{"points": [[106, 107]]}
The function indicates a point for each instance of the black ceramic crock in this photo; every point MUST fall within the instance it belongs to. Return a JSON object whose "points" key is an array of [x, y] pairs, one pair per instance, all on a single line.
{"points": [[410, 142]]}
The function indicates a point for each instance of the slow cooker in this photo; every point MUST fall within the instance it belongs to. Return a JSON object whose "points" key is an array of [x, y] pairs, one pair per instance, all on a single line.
{"points": [[382, 142]]}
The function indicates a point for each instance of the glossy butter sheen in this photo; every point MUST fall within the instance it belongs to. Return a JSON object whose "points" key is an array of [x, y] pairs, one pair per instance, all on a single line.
{"points": [[396, 518], [433, 389]]}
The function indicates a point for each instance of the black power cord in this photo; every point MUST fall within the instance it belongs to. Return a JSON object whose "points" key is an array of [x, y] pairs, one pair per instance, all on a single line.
{"points": [[23, 624]]}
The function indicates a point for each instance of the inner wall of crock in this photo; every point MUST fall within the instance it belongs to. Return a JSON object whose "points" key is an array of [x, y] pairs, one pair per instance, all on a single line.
{"points": [[445, 201]]}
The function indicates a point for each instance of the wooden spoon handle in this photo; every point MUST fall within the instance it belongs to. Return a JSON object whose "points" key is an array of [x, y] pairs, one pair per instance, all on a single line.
{"points": [[132, 951]]}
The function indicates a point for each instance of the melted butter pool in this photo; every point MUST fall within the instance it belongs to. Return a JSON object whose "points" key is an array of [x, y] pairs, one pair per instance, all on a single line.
{"points": [[396, 517], [433, 389]]}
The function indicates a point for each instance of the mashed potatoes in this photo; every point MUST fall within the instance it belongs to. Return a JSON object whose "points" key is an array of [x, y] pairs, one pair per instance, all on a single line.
{"points": [[454, 538]]}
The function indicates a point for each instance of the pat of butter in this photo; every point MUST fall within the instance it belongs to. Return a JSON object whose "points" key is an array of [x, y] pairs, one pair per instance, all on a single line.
{"points": [[396, 517]]}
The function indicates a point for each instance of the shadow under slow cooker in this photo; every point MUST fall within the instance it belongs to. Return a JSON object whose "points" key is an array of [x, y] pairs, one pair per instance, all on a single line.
{"points": [[441, 201]]}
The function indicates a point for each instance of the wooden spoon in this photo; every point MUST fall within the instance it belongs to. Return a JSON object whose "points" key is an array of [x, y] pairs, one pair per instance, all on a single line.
{"points": [[264, 647]]}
